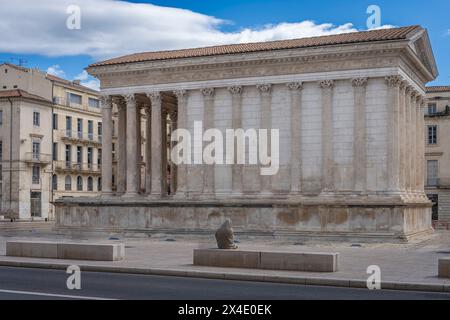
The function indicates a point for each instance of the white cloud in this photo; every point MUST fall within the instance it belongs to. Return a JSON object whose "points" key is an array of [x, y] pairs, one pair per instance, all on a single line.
{"points": [[56, 71], [112, 28], [87, 80]]}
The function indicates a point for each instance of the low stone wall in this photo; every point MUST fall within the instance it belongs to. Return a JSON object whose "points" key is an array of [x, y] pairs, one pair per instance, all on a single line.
{"points": [[363, 221]]}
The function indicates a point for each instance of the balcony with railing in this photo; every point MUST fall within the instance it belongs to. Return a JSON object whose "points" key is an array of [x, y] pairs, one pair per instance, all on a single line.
{"points": [[78, 167], [439, 183], [81, 137], [33, 158]]}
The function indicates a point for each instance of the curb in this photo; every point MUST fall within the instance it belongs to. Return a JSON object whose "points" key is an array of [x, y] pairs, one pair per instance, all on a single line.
{"points": [[308, 281]]}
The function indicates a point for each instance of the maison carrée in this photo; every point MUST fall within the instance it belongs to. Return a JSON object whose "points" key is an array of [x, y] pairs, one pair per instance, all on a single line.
{"points": [[349, 110]]}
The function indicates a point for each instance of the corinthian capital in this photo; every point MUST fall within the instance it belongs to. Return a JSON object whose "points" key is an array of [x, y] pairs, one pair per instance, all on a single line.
{"points": [[326, 84], [359, 82], [106, 101], [181, 94], [294, 86], [207, 92], [264, 88], [130, 99], [394, 81], [155, 97], [235, 90]]}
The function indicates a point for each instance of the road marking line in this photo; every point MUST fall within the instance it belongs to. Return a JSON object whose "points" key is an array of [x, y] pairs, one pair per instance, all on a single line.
{"points": [[52, 295]]}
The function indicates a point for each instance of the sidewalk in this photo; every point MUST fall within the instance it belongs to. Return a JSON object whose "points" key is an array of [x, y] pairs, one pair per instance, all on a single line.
{"points": [[412, 266]]}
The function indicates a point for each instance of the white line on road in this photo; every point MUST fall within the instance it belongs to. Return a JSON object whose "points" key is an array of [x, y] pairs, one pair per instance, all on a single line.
{"points": [[52, 295]]}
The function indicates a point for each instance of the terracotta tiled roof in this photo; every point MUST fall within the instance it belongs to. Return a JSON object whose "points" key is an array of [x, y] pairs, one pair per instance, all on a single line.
{"points": [[19, 93], [71, 84], [438, 89], [345, 38]]}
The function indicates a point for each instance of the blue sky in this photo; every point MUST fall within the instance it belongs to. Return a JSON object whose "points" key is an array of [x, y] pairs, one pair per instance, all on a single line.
{"points": [[235, 16]]}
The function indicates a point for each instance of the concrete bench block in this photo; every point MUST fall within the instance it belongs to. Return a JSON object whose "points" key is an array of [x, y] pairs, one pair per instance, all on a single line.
{"points": [[66, 250], [226, 258], [32, 249], [313, 262], [444, 268], [96, 252]]}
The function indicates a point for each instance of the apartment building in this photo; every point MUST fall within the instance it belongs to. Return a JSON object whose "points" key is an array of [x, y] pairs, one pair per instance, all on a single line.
{"points": [[50, 141], [437, 153]]}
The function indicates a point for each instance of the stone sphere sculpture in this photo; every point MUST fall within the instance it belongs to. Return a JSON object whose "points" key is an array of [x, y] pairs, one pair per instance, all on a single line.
{"points": [[225, 236]]}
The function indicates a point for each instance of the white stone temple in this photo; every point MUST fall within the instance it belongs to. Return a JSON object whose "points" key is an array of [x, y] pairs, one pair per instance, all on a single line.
{"points": [[349, 112]]}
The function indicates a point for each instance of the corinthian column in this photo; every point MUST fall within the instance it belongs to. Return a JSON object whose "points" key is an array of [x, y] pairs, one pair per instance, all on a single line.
{"points": [[393, 158], [148, 150], [413, 158], [403, 137], [132, 133], [359, 133], [265, 91], [295, 89], [407, 160], [327, 134], [208, 120], [156, 142], [182, 96], [236, 102], [419, 151], [107, 145], [122, 149]]}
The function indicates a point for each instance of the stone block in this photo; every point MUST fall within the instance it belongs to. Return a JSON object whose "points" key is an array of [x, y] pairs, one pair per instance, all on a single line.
{"points": [[65, 250], [444, 268], [226, 258], [32, 249], [313, 262]]}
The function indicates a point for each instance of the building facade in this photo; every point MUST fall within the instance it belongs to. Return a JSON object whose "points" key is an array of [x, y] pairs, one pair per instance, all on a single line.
{"points": [[348, 109], [437, 153], [50, 137]]}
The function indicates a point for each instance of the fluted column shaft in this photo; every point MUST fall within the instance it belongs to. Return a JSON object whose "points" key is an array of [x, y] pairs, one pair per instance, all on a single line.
{"points": [[327, 134], [156, 142], [208, 122], [148, 151], [265, 91], [393, 154], [360, 134], [107, 145], [236, 123], [295, 89], [122, 150], [182, 96], [132, 174]]}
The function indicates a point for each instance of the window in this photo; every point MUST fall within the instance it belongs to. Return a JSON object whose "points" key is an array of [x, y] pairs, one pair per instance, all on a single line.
{"points": [[79, 155], [75, 99], [1, 117], [80, 128], [36, 119], [94, 103], [99, 130], [432, 108], [432, 135], [68, 183], [36, 176], [79, 183], [55, 121], [432, 173], [55, 151], [36, 150], [55, 182], [68, 155], [99, 158], [99, 184], [89, 157], [90, 185], [1, 150], [69, 126], [90, 130]]}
